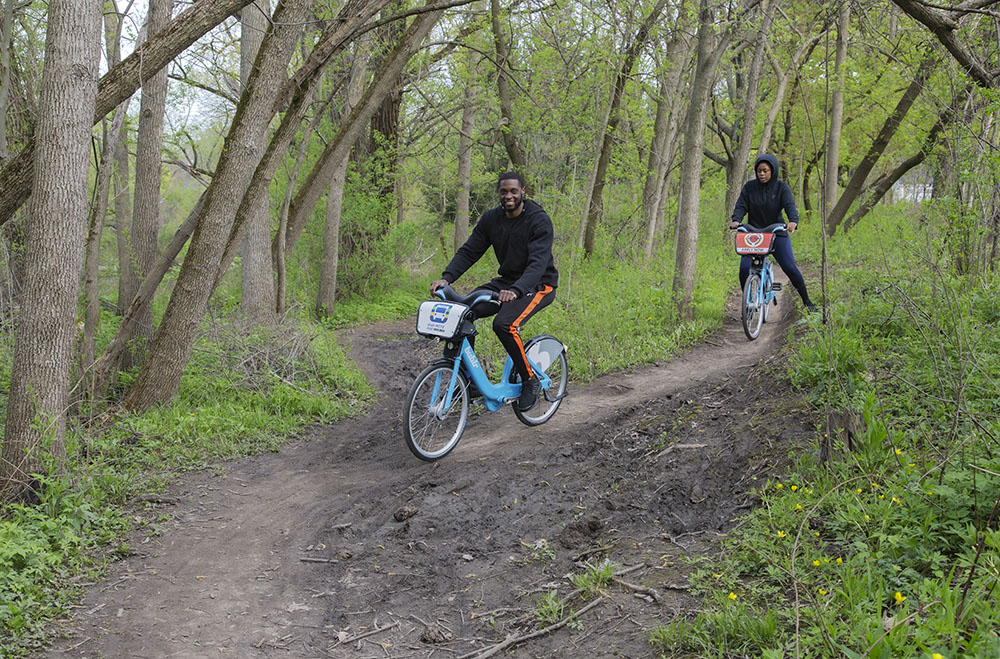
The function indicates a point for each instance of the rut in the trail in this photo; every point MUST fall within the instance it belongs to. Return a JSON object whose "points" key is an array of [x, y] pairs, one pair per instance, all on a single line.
{"points": [[345, 545]]}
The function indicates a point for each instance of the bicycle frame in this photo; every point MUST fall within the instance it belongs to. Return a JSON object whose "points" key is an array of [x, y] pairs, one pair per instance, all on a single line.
{"points": [[495, 396], [761, 265]]}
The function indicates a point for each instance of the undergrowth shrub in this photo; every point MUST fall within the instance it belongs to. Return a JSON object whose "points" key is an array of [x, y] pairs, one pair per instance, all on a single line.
{"points": [[892, 549]]}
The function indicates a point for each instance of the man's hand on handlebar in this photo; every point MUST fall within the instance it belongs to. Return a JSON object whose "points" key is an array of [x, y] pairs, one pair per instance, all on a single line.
{"points": [[438, 284], [507, 295]]}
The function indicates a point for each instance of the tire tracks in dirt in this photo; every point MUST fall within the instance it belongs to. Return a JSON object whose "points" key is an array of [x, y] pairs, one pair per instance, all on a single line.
{"points": [[342, 544]]}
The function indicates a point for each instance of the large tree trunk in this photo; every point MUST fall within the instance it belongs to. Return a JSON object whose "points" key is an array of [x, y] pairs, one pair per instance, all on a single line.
{"points": [[595, 205], [326, 297], [507, 131], [120, 83], [832, 176], [465, 163], [736, 168], [889, 128], [258, 300], [145, 232], [686, 254], [159, 378], [341, 144], [46, 328]]}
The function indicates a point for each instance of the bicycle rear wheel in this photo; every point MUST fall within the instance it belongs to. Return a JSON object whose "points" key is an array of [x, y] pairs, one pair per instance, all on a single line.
{"points": [[431, 429], [550, 355], [752, 313]]}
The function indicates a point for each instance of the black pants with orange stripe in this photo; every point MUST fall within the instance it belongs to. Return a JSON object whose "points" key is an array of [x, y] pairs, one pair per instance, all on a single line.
{"points": [[511, 318]]}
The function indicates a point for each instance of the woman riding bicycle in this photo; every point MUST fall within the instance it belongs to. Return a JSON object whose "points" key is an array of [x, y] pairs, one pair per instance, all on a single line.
{"points": [[761, 200]]}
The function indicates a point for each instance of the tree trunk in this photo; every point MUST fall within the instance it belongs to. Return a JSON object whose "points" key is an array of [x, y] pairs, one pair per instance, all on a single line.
{"points": [[507, 131], [341, 144], [595, 207], [45, 327], [99, 209], [694, 146], [159, 378], [257, 277], [326, 297], [6, 23], [831, 177], [736, 168], [106, 365], [120, 83], [889, 128], [881, 186], [465, 164], [145, 232], [665, 128]]}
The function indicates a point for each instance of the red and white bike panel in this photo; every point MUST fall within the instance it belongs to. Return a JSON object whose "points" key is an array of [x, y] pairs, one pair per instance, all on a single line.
{"points": [[748, 244]]}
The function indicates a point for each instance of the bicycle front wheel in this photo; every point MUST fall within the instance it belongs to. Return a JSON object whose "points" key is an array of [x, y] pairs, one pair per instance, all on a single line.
{"points": [[753, 314], [552, 354], [432, 429]]}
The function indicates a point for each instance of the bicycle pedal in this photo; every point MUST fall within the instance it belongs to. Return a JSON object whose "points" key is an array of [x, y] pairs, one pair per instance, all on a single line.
{"points": [[776, 286]]}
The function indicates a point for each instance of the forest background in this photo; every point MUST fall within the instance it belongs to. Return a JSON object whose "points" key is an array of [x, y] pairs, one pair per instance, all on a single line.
{"points": [[195, 195]]}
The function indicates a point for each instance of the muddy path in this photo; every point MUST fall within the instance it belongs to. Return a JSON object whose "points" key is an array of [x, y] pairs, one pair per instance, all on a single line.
{"points": [[344, 545]]}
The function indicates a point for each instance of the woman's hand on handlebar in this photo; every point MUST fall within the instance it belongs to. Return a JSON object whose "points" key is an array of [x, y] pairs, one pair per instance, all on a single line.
{"points": [[507, 295], [791, 226], [438, 284], [734, 225]]}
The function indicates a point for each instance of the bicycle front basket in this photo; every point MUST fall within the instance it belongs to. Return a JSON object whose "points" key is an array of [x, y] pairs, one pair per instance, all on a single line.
{"points": [[440, 319], [748, 244]]}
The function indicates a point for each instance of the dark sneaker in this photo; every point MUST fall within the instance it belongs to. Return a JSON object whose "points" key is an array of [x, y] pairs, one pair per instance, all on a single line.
{"points": [[529, 395], [811, 308]]}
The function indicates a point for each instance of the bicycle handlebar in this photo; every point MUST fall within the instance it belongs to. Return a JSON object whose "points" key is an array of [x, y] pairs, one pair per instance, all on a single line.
{"points": [[448, 293], [778, 227]]}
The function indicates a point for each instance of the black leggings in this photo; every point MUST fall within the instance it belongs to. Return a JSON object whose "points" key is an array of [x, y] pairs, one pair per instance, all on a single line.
{"points": [[512, 316], [783, 255]]}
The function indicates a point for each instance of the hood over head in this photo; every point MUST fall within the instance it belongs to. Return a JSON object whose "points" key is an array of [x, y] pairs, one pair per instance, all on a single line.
{"points": [[770, 160]]}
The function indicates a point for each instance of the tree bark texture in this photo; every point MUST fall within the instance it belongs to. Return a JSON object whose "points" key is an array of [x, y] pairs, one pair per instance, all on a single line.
{"points": [[145, 233], [257, 301], [507, 131], [118, 84], [465, 164], [45, 328], [832, 176], [889, 128], [6, 23], [686, 254], [595, 207], [736, 168], [160, 376], [341, 144]]}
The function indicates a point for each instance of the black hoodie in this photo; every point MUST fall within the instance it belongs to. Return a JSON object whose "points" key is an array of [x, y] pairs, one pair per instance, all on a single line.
{"points": [[522, 244], [763, 203]]}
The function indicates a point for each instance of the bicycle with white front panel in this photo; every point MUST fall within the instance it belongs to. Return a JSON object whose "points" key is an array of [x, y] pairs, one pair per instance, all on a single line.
{"points": [[437, 409], [759, 291]]}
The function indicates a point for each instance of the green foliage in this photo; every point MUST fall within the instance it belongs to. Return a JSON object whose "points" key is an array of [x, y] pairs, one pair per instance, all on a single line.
{"points": [[891, 549], [594, 577]]}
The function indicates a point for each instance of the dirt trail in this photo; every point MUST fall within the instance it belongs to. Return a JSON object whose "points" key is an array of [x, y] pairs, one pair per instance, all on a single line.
{"points": [[344, 545]]}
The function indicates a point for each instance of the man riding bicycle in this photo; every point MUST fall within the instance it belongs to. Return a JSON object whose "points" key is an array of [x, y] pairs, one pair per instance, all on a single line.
{"points": [[520, 233], [762, 199]]}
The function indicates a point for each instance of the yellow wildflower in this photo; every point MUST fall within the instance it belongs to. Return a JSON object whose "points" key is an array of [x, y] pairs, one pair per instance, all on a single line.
{"points": [[898, 452], [781, 534], [900, 598], [822, 592], [816, 562], [794, 487], [732, 596], [780, 485], [839, 561]]}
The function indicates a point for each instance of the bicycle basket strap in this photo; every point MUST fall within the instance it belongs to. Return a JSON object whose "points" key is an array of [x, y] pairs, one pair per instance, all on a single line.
{"points": [[754, 243], [437, 318]]}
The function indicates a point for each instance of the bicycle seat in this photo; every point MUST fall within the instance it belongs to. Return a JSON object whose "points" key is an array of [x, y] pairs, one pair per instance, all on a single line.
{"points": [[473, 300]]}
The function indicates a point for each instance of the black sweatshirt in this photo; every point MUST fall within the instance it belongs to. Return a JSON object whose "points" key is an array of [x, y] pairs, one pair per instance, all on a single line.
{"points": [[763, 203], [523, 247]]}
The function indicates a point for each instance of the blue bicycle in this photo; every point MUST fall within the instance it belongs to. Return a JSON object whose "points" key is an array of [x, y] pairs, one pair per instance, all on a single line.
{"points": [[437, 409], [760, 287]]}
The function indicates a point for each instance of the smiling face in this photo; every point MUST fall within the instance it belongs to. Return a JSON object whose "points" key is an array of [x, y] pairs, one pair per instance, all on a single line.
{"points": [[763, 171], [511, 196]]}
